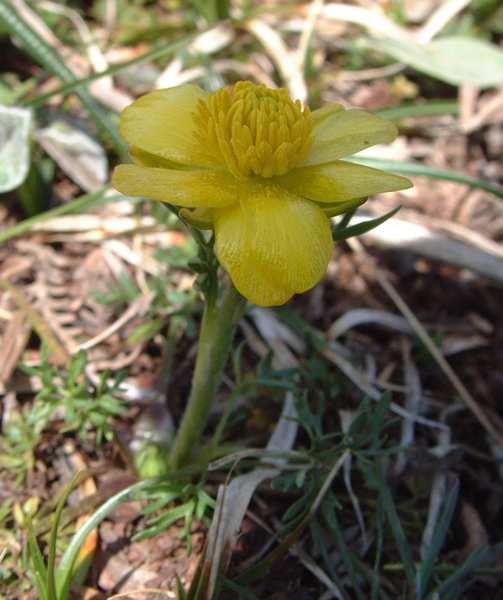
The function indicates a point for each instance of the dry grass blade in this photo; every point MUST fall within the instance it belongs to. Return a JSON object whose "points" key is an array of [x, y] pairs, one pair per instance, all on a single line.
{"points": [[358, 316], [284, 59], [412, 405], [480, 254], [136, 309], [428, 342], [233, 500], [439, 19], [38, 322], [13, 344]]}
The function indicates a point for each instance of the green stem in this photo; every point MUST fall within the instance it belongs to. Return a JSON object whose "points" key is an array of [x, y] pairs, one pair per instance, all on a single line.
{"points": [[219, 323]]}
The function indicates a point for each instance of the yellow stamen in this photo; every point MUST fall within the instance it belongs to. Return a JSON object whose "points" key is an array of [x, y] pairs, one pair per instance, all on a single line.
{"points": [[256, 131]]}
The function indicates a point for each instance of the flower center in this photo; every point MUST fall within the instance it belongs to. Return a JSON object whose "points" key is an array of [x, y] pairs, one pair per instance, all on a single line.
{"points": [[256, 131]]}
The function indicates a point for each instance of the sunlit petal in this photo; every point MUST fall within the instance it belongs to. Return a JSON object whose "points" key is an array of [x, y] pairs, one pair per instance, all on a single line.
{"points": [[160, 123], [234, 254], [345, 132], [340, 181], [202, 187], [262, 172], [320, 115], [273, 244]]}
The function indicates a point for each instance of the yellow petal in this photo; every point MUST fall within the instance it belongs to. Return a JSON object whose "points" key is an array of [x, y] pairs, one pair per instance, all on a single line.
{"points": [[160, 123], [201, 187], [345, 132], [321, 114], [273, 244], [340, 181]]}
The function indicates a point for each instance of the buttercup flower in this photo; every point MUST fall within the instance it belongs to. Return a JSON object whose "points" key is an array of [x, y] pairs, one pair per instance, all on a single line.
{"points": [[263, 172]]}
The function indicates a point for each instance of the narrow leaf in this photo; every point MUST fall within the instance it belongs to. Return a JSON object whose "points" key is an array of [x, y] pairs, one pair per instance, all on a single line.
{"points": [[395, 524], [343, 234], [49, 58], [412, 168], [38, 562], [454, 59], [426, 569], [51, 559]]}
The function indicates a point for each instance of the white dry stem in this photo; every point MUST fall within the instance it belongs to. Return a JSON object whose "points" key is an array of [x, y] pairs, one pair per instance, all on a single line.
{"points": [[439, 19], [359, 316], [428, 342], [471, 250], [437, 495], [137, 308], [233, 499], [412, 405], [103, 88], [376, 22], [309, 24], [284, 59]]}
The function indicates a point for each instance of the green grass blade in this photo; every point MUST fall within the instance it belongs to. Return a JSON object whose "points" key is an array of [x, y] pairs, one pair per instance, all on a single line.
{"points": [[321, 546], [343, 234], [412, 168], [81, 203], [415, 109], [52, 61], [347, 555], [379, 549], [395, 524], [51, 559], [150, 56], [476, 558], [240, 591], [63, 575], [426, 568], [38, 562], [180, 591]]}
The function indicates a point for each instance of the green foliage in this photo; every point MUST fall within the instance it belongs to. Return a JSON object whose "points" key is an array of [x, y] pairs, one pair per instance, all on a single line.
{"points": [[212, 10], [343, 232], [49, 58], [365, 440], [46, 573], [205, 264], [84, 404], [426, 578], [174, 501]]}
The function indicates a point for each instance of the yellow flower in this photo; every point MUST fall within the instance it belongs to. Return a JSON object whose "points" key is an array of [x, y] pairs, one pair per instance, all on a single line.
{"points": [[264, 172]]}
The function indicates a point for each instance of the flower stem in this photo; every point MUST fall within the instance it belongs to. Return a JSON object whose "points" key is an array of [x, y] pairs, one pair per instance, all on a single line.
{"points": [[218, 326]]}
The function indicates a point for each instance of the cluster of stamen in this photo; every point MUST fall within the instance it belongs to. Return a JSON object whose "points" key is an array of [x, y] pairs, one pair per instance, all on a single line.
{"points": [[256, 131]]}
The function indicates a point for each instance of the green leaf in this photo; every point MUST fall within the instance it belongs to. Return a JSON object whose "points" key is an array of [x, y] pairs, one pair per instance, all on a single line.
{"points": [[51, 559], [425, 570], [343, 234], [393, 519], [240, 591], [478, 557], [416, 168], [38, 562], [64, 572], [14, 146], [454, 59], [418, 109]]}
